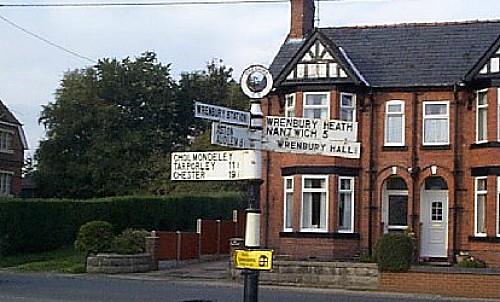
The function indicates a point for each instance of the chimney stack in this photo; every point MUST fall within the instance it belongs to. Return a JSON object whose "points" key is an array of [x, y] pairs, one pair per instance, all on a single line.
{"points": [[302, 18]]}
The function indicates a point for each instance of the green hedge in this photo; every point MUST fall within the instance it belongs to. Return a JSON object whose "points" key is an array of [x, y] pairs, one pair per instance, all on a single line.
{"points": [[34, 225], [394, 252]]}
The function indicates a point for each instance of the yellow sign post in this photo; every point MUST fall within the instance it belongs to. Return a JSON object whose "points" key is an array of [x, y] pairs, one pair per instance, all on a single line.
{"points": [[254, 259]]}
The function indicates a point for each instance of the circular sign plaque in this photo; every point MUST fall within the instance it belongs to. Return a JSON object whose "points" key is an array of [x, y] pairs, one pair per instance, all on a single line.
{"points": [[256, 81]]}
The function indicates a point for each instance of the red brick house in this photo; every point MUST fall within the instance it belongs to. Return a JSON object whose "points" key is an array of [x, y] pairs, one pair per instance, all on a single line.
{"points": [[426, 102], [12, 146]]}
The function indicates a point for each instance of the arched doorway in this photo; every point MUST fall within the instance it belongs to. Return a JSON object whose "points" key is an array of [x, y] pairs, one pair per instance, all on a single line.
{"points": [[434, 218], [395, 205]]}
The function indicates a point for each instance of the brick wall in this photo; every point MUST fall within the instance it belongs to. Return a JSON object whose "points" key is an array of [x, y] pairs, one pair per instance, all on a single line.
{"points": [[446, 284]]}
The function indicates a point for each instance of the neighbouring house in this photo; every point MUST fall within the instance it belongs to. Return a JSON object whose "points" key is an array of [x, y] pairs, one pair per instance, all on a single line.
{"points": [[12, 146], [424, 102]]}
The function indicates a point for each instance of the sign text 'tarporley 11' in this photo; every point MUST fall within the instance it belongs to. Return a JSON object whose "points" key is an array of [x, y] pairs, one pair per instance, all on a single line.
{"points": [[215, 165]]}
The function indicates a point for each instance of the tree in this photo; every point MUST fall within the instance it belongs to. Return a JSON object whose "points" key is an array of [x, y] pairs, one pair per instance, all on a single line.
{"points": [[107, 127]]}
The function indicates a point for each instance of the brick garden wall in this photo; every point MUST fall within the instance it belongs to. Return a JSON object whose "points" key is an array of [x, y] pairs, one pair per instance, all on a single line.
{"points": [[453, 284]]}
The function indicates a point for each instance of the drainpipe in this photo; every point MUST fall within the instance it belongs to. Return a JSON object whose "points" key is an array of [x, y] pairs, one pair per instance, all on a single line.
{"points": [[457, 169], [414, 160], [372, 172], [268, 172]]}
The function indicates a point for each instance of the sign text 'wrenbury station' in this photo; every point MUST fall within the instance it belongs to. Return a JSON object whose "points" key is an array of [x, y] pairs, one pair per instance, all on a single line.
{"points": [[221, 114]]}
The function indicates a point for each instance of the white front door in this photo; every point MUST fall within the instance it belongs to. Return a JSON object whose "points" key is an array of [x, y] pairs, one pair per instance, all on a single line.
{"points": [[434, 219]]}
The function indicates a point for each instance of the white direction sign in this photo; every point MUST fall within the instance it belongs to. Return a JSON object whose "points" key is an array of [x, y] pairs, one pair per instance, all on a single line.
{"points": [[221, 114], [216, 165], [235, 137], [337, 148], [312, 136], [297, 127]]}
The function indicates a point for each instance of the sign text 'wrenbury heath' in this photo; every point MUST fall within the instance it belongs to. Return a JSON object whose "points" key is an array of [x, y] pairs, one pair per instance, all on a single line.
{"points": [[215, 165], [296, 127], [221, 114]]}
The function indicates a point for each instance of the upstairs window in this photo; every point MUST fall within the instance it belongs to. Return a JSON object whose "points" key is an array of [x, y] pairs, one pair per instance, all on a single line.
{"points": [[314, 203], [348, 107], [482, 116], [6, 141], [290, 105], [317, 105], [436, 122], [394, 123]]}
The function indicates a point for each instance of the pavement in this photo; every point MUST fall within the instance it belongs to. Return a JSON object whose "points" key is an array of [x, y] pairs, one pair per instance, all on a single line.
{"points": [[208, 270]]}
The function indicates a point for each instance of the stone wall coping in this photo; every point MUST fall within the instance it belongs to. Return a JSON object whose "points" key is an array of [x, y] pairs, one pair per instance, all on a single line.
{"points": [[455, 270], [115, 255], [325, 264]]}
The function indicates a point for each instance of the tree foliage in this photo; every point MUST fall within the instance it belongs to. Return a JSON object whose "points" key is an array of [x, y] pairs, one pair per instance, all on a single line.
{"points": [[112, 126]]}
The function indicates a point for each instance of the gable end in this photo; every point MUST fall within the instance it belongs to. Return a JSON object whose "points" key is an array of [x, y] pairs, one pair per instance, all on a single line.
{"points": [[318, 61]]}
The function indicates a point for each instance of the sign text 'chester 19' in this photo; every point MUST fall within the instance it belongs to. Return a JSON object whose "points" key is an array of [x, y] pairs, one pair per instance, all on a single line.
{"points": [[215, 165]]}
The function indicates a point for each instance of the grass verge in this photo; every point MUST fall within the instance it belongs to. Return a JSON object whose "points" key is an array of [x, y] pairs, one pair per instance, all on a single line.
{"points": [[63, 260]]}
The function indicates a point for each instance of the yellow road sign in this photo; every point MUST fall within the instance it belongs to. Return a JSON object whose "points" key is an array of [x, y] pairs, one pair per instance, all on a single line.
{"points": [[254, 259]]}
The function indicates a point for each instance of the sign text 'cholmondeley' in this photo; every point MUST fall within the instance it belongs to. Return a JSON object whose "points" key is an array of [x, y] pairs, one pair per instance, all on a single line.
{"points": [[221, 114], [215, 165]]}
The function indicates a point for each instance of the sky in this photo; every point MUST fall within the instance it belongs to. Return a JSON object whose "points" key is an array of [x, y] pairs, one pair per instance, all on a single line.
{"points": [[185, 36]]}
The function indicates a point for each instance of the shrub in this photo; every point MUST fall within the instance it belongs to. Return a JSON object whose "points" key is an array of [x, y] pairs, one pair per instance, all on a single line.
{"points": [[394, 252], [94, 237], [471, 263], [130, 242]]}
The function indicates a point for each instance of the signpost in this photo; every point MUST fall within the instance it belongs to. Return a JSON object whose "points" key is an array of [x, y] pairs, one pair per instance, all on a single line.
{"points": [[216, 165]]}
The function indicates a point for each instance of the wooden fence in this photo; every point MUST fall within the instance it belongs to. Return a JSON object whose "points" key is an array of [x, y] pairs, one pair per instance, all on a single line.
{"points": [[212, 237]]}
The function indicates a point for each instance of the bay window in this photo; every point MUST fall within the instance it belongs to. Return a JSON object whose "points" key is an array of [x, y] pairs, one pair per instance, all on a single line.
{"points": [[480, 192], [346, 204], [314, 203]]}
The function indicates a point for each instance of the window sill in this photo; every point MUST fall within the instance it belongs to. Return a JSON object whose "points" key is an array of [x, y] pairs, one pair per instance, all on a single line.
{"points": [[485, 145], [487, 239], [354, 236], [394, 148], [435, 147]]}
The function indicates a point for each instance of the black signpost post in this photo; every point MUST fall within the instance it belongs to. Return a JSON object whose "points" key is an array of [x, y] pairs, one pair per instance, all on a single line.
{"points": [[256, 82]]}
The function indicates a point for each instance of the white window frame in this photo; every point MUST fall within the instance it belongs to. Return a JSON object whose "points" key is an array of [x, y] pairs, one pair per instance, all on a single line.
{"points": [[479, 109], [310, 228], [352, 108], [478, 193], [286, 202], [6, 184], [389, 128], [340, 192], [290, 101], [325, 107], [498, 114], [498, 206], [436, 116], [6, 144]]}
